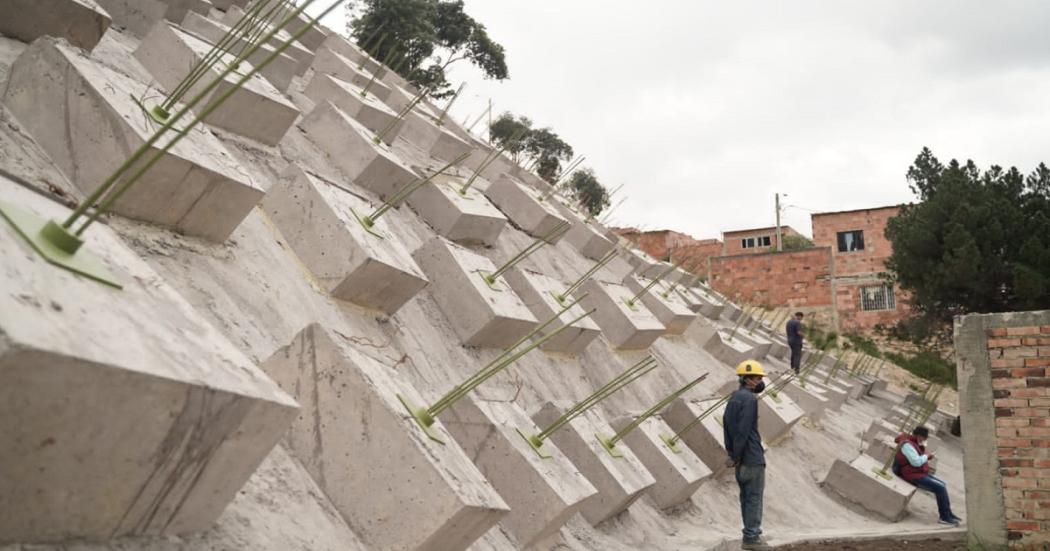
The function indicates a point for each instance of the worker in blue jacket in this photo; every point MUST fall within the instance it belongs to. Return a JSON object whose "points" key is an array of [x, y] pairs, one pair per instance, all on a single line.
{"points": [[744, 446]]}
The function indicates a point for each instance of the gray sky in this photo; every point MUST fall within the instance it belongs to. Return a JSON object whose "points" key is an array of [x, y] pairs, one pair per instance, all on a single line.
{"points": [[705, 109]]}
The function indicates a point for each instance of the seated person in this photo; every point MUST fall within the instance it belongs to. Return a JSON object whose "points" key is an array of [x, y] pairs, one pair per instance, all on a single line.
{"points": [[913, 465]]}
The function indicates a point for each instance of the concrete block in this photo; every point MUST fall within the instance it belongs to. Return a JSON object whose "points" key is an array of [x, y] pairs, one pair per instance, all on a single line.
{"points": [[857, 483], [539, 293], [776, 416], [469, 218], [705, 439], [542, 493], [672, 312], [730, 351], [279, 72], [331, 63], [880, 428], [420, 130], [589, 241], [678, 475], [396, 487], [523, 207], [257, 110], [302, 56], [810, 398], [619, 480], [85, 117], [137, 16], [624, 327], [371, 268], [481, 315], [122, 412], [705, 304], [349, 145], [779, 350], [311, 39], [337, 43], [366, 109], [81, 22], [760, 346], [881, 448]]}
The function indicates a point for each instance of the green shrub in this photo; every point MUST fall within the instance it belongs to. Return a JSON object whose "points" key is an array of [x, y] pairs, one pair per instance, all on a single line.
{"points": [[928, 365], [864, 344]]}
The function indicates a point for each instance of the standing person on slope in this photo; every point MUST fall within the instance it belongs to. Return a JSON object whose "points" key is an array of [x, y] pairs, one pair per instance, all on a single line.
{"points": [[744, 446], [795, 336]]}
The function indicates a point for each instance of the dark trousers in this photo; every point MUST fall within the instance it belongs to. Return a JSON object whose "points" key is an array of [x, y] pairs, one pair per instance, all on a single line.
{"points": [[796, 355], [752, 482], [940, 489]]}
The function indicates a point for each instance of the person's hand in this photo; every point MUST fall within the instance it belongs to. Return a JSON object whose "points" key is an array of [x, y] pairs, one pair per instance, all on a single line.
{"points": [[730, 462], [931, 457]]}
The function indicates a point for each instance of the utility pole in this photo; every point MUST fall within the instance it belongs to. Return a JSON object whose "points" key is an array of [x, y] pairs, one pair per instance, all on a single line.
{"points": [[780, 236]]}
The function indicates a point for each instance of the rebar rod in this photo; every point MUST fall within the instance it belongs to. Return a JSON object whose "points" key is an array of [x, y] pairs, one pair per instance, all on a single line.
{"points": [[508, 356], [536, 245], [408, 189], [587, 275], [444, 112], [632, 374], [637, 422], [491, 157], [207, 111], [653, 283], [400, 116], [698, 419]]}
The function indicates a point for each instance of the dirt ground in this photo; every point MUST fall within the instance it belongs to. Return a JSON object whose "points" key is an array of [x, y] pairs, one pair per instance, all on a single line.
{"points": [[878, 545]]}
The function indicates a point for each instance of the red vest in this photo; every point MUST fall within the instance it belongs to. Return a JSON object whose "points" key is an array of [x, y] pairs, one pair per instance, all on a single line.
{"points": [[909, 472]]}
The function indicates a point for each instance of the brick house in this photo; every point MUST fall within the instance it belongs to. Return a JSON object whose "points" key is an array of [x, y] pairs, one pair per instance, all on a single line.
{"points": [[860, 297], [753, 240], [673, 246]]}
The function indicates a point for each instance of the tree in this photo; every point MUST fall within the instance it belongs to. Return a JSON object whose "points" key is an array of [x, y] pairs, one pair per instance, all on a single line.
{"points": [[427, 36], [794, 242], [548, 150], [541, 146], [588, 191], [511, 133], [975, 242]]}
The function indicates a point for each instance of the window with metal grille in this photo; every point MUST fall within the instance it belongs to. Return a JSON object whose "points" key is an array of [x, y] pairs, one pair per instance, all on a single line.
{"points": [[877, 297], [850, 241]]}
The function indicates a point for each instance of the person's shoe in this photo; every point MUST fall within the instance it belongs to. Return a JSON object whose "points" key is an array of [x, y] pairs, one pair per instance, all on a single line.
{"points": [[949, 522], [957, 520], [757, 544]]}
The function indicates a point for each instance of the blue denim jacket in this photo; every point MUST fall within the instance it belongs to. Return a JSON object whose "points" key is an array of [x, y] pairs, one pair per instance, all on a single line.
{"points": [[740, 428]]}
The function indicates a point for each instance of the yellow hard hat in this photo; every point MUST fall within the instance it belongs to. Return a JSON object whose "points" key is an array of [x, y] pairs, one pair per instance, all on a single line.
{"points": [[750, 367]]}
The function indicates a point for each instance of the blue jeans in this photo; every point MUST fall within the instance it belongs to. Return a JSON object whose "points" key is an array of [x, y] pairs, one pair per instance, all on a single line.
{"points": [[752, 482], [940, 489], [796, 354]]}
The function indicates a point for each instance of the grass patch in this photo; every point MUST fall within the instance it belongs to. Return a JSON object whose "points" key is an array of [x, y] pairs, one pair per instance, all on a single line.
{"points": [[864, 344], [927, 365]]}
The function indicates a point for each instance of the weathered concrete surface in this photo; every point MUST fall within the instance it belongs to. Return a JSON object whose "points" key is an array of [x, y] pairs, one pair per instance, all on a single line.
{"points": [[351, 99], [302, 55], [357, 440], [350, 147], [619, 480], [85, 117], [81, 22], [522, 206], [332, 63], [672, 312], [678, 475], [776, 416], [588, 241], [466, 218], [542, 493], [857, 483], [121, 411], [624, 327], [540, 294], [482, 315], [279, 72], [701, 302], [728, 348], [257, 110], [369, 267], [704, 438], [137, 16], [810, 398]]}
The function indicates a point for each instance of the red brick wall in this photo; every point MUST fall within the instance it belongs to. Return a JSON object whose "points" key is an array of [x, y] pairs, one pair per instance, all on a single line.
{"points": [[665, 243], [1020, 366], [854, 319], [795, 278], [732, 241], [876, 247]]}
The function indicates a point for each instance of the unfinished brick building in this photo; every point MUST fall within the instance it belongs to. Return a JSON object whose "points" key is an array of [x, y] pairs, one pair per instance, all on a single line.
{"points": [[753, 240], [861, 298]]}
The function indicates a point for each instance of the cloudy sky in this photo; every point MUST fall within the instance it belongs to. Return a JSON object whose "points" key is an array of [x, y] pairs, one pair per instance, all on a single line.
{"points": [[705, 109]]}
